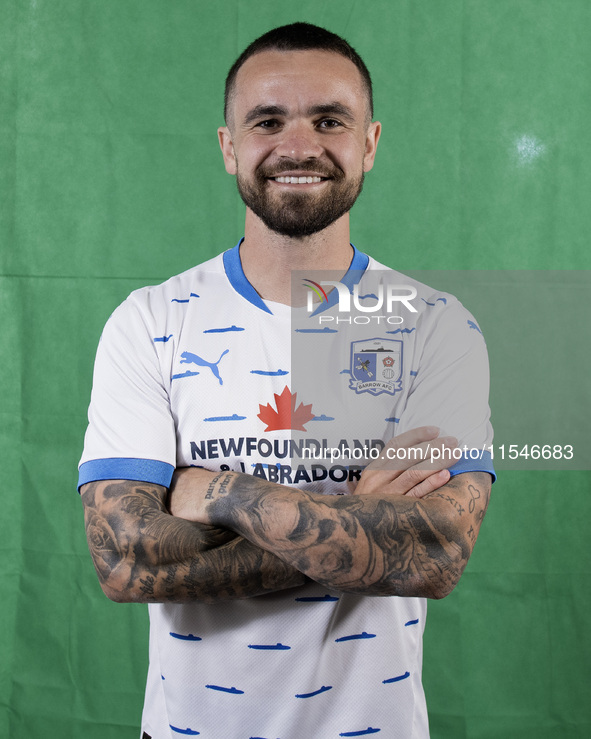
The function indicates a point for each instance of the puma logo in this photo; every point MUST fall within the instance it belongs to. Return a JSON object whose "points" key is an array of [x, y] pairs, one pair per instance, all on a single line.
{"points": [[189, 358]]}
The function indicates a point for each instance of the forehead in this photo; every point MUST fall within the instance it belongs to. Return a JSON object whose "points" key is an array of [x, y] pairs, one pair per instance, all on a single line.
{"points": [[297, 78]]}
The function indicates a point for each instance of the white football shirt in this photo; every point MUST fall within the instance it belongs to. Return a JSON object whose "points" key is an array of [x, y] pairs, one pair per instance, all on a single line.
{"points": [[201, 371]]}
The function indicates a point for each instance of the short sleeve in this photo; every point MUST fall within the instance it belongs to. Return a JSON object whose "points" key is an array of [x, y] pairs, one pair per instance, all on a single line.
{"points": [[131, 433], [450, 383]]}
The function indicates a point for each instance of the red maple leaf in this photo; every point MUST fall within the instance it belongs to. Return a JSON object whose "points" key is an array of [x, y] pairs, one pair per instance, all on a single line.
{"points": [[286, 416]]}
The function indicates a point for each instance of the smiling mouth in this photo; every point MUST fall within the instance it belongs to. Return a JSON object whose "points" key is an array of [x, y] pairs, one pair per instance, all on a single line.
{"points": [[298, 180]]}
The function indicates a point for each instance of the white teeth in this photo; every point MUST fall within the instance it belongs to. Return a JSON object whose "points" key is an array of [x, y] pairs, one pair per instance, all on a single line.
{"points": [[298, 180]]}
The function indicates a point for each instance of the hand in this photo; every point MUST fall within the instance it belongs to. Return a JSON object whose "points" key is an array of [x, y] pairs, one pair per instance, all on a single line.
{"points": [[406, 467]]}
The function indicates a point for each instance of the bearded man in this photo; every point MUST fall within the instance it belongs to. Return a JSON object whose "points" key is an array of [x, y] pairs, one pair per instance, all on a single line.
{"points": [[286, 600]]}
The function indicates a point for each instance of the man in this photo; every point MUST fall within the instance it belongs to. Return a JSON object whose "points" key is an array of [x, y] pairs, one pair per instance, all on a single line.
{"points": [[260, 585]]}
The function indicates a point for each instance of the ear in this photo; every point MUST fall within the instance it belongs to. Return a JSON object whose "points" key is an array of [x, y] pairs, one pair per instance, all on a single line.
{"points": [[371, 144], [227, 147]]}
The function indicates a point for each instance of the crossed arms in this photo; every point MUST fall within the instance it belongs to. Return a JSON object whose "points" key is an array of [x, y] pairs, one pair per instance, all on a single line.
{"points": [[408, 531], [143, 554]]}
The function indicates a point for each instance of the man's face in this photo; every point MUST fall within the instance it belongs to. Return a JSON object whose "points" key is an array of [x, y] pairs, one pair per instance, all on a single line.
{"points": [[299, 138]]}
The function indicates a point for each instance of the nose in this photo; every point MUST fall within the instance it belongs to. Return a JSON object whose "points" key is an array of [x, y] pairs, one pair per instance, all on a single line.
{"points": [[299, 141]]}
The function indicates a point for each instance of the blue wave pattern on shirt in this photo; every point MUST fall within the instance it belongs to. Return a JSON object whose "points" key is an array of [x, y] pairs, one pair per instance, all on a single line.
{"points": [[317, 599], [443, 300], [185, 637], [269, 373], [278, 646], [188, 373], [324, 330], [187, 732], [402, 331], [363, 732], [184, 300], [223, 330], [163, 339], [351, 637], [323, 689], [322, 417], [234, 417], [412, 623], [232, 690], [397, 679]]}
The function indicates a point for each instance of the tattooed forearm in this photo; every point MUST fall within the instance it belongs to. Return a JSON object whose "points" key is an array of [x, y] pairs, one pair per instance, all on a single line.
{"points": [[218, 485], [143, 554], [457, 505], [370, 544]]}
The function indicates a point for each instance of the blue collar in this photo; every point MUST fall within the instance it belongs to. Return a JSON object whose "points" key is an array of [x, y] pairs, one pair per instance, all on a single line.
{"points": [[235, 273]]}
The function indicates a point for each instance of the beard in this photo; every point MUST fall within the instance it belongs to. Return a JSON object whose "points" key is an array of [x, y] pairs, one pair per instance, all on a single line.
{"points": [[298, 214]]}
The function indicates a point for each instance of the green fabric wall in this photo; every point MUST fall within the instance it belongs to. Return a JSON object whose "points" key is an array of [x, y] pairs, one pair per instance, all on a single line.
{"points": [[110, 178]]}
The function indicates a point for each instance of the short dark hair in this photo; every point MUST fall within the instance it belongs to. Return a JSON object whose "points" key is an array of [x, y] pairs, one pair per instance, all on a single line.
{"points": [[299, 37]]}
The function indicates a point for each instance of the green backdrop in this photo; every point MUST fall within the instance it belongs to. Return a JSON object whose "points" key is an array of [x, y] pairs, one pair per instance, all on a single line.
{"points": [[110, 178]]}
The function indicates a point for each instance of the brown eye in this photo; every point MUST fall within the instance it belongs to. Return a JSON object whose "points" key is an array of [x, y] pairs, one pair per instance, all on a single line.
{"points": [[329, 123], [268, 124]]}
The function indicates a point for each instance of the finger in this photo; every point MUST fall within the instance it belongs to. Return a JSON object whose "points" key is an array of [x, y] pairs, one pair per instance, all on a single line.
{"points": [[429, 484], [374, 481], [411, 479], [437, 454], [408, 482]]}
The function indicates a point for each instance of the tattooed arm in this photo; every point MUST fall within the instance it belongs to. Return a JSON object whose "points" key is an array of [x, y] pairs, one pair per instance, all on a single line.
{"points": [[143, 554], [374, 543]]}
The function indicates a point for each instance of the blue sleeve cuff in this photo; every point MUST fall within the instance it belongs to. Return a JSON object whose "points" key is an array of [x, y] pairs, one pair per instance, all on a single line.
{"points": [[474, 460], [121, 468]]}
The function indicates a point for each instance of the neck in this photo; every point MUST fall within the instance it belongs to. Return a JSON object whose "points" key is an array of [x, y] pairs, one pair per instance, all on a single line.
{"points": [[268, 258]]}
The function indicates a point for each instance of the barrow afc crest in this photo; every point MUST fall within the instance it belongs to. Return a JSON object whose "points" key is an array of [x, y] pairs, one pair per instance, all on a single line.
{"points": [[376, 366]]}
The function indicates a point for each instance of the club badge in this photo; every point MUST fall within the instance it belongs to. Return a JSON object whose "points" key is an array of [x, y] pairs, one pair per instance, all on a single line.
{"points": [[376, 366]]}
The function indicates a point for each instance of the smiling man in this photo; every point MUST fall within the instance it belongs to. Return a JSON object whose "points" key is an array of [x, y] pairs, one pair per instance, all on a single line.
{"points": [[300, 185], [262, 573]]}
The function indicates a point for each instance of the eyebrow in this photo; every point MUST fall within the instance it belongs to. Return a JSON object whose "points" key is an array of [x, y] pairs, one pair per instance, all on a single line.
{"points": [[332, 109], [335, 108], [260, 111]]}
